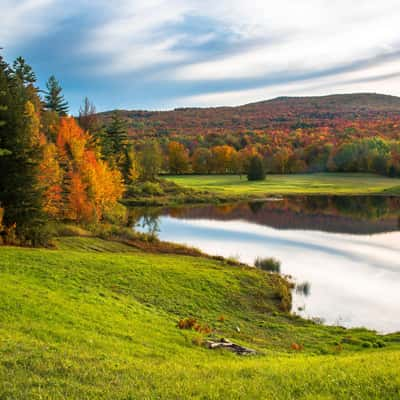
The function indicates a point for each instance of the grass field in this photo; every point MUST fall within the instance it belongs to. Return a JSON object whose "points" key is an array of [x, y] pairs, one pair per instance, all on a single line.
{"points": [[324, 183], [98, 320]]}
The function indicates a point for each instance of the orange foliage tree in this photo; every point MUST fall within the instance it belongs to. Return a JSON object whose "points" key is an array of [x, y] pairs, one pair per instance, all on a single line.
{"points": [[178, 158], [78, 185]]}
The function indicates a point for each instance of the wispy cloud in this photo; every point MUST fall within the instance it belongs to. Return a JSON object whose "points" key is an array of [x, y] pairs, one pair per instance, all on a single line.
{"points": [[26, 20], [209, 52], [377, 79], [138, 34], [315, 35]]}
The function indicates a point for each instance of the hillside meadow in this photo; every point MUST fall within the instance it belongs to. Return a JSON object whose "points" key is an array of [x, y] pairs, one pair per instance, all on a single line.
{"points": [[93, 319], [294, 184]]}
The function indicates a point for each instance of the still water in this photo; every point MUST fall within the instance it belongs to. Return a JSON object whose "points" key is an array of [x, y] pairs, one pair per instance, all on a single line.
{"points": [[342, 252]]}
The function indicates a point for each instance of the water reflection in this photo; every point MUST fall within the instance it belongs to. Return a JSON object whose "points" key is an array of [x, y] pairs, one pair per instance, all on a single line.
{"points": [[342, 252]]}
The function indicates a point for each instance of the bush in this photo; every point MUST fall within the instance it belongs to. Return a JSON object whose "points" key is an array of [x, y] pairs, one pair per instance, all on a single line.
{"points": [[268, 264], [116, 215], [152, 188], [36, 235], [62, 229]]}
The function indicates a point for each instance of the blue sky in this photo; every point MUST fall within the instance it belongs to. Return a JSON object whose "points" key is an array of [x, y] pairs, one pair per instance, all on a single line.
{"points": [[161, 54]]}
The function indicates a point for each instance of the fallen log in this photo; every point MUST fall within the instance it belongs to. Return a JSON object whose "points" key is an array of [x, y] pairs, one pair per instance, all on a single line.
{"points": [[226, 344]]}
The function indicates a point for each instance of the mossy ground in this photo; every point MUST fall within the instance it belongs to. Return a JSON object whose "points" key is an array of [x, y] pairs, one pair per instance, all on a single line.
{"points": [[98, 320]]}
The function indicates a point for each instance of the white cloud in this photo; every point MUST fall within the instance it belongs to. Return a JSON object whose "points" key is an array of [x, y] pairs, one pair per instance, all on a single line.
{"points": [[251, 39], [384, 78], [313, 35], [264, 37], [134, 35], [24, 20]]}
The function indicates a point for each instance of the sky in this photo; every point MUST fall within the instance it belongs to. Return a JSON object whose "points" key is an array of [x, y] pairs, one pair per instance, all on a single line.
{"points": [[162, 54]]}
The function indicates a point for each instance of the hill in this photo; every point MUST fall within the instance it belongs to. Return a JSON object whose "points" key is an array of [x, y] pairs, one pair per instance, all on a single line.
{"points": [[96, 320], [282, 112]]}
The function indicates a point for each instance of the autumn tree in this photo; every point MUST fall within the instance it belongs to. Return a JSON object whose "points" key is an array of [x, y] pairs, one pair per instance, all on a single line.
{"points": [[87, 118], [51, 180], [133, 166], [54, 100], [150, 161], [281, 160], [201, 161], [222, 159], [178, 158], [90, 186]]}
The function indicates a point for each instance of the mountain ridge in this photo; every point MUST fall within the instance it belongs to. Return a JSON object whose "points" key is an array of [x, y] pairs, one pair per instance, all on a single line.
{"points": [[279, 113]]}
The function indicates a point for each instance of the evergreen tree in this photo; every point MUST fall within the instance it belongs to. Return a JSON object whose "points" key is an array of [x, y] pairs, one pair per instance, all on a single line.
{"points": [[116, 146], [3, 108], [24, 72], [117, 133], [54, 100], [19, 135], [256, 170]]}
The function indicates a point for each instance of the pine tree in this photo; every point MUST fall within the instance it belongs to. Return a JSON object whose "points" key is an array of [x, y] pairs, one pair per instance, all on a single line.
{"points": [[117, 133], [116, 146], [3, 107], [19, 190], [24, 72], [54, 100]]}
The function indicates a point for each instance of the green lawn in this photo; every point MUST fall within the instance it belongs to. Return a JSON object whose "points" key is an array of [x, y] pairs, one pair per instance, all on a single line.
{"points": [[324, 183], [97, 320]]}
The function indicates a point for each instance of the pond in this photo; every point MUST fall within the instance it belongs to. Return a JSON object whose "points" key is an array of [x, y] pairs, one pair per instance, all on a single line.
{"points": [[342, 252]]}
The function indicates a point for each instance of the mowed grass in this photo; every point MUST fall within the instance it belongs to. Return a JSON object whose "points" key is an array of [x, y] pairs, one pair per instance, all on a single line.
{"points": [[323, 183], [95, 320]]}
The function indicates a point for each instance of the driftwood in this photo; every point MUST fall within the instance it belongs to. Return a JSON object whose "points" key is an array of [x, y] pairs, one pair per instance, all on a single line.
{"points": [[226, 344]]}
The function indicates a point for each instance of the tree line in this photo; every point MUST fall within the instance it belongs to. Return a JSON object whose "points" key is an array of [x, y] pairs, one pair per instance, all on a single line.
{"points": [[370, 154]]}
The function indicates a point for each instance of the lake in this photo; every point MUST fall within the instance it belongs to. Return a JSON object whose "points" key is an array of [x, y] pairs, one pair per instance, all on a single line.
{"points": [[342, 252]]}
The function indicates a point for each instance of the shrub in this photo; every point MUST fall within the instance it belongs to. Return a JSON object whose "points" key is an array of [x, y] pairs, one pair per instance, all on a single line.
{"points": [[296, 347], [61, 229], [268, 264], [187, 323], [152, 188], [116, 215], [191, 323]]}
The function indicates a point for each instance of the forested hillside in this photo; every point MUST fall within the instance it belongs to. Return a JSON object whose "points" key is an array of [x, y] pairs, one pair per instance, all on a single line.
{"points": [[345, 133], [282, 112]]}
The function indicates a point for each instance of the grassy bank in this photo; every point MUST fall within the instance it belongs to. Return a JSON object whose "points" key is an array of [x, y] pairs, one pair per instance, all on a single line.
{"points": [[304, 184], [97, 320]]}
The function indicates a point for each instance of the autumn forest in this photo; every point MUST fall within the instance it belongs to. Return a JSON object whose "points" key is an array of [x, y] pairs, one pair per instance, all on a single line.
{"points": [[77, 168]]}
